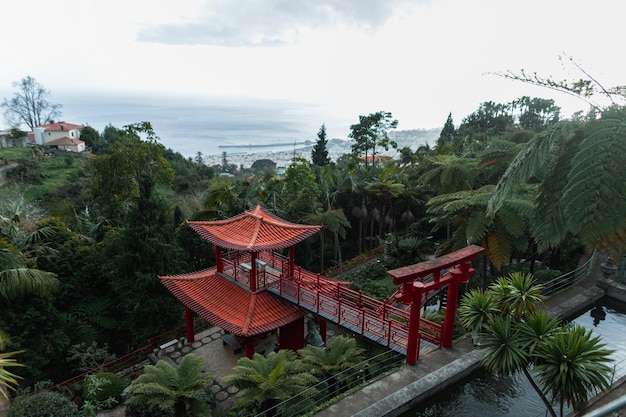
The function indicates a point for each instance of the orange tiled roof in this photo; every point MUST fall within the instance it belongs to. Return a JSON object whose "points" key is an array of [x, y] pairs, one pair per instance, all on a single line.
{"points": [[64, 141], [61, 126], [229, 306], [254, 231]]}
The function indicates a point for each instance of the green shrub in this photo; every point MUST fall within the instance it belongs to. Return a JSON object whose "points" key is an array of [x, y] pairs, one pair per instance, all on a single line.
{"points": [[110, 386], [142, 410], [544, 275], [45, 404]]}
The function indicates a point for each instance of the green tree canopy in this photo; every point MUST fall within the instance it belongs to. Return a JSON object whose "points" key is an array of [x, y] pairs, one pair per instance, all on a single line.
{"points": [[319, 154], [372, 132]]}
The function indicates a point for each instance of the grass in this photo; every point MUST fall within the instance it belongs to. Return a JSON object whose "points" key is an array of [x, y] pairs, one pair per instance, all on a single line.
{"points": [[13, 154], [56, 171]]}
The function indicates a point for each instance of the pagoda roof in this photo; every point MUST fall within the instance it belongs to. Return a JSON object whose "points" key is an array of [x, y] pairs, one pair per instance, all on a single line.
{"points": [[226, 305], [254, 230]]}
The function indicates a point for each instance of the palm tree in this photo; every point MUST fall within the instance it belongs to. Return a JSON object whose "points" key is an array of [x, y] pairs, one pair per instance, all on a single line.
{"points": [[182, 390], [507, 314], [328, 364], [336, 222], [574, 365], [17, 280], [264, 382]]}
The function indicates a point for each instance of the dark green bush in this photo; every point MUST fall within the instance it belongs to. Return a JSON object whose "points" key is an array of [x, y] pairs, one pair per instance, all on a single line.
{"points": [[45, 404], [544, 275], [111, 386], [144, 411]]}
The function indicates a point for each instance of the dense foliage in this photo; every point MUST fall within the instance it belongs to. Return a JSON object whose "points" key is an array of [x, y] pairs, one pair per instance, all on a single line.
{"points": [[44, 404], [109, 225]]}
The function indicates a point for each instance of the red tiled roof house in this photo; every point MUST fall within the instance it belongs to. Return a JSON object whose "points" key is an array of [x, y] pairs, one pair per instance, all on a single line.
{"points": [[69, 132]]}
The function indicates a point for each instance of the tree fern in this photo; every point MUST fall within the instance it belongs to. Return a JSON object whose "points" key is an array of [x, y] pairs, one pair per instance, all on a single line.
{"points": [[596, 188]]}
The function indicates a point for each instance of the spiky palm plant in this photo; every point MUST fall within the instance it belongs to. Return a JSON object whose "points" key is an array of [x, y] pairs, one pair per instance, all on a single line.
{"points": [[477, 309], [7, 379], [574, 365], [182, 390], [519, 294]]}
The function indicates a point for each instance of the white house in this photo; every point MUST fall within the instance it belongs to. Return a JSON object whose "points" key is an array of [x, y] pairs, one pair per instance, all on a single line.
{"points": [[66, 144], [47, 133]]}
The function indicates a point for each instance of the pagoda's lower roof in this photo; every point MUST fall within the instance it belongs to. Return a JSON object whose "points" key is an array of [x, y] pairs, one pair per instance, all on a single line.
{"points": [[226, 305]]}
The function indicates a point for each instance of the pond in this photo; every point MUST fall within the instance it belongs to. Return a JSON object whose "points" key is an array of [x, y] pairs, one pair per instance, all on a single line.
{"points": [[485, 395]]}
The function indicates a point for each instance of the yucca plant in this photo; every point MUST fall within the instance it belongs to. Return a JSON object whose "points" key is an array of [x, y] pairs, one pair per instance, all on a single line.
{"points": [[574, 365]]}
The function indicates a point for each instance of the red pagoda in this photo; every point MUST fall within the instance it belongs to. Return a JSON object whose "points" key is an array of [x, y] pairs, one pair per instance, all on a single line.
{"points": [[232, 295]]}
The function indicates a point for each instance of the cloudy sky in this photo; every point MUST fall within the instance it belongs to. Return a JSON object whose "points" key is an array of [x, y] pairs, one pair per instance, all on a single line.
{"points": [[419, 59]]}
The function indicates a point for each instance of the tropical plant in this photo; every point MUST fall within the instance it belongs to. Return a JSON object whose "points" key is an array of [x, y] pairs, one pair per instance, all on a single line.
{"points": [[501, 234], [182, 391], [574, 366], [519, 337], [578, 165], [101, 391], [327, 364], [7, 379], [264, 382]]}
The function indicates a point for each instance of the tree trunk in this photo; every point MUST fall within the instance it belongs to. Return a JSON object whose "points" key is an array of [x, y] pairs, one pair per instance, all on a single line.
{"points": [[536, 387], [322, 250], [338, 249]]}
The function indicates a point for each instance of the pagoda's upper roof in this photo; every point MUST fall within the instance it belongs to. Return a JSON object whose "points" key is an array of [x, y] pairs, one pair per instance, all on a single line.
{"points": [[226, 305], [253, 231]]}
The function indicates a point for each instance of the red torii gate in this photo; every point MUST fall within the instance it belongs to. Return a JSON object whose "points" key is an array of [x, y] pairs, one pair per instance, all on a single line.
{"points": [[413, 289]]}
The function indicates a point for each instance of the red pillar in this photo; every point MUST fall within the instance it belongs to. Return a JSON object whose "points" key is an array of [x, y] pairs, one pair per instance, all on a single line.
{"points": [[218, 259], [292, 261], [323, 330], [249, 344], [291, 336], [189, 325], [253, 271], [412, 348]]}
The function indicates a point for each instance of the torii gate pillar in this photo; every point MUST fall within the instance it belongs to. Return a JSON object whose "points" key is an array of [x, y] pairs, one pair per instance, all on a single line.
{"points": [[411, 277]]}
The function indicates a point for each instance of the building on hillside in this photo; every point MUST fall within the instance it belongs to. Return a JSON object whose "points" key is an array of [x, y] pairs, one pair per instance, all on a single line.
{"points": [[7, 140], [47, 133], [66, 144]]}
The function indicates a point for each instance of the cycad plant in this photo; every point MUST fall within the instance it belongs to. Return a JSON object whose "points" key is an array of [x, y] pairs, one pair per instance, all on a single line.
{"points": [[328, 364], [182, 391], [266, 381]]}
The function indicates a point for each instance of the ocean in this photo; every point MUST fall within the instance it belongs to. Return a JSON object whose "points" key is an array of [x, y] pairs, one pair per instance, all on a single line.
{"points": [[209, 125]]}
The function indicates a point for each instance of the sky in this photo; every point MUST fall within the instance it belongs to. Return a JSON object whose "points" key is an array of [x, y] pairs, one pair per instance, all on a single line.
{"points": [[418, 59]]}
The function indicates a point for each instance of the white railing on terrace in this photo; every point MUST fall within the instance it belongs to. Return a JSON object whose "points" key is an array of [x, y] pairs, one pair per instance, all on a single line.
{"points": [[566, 280]]}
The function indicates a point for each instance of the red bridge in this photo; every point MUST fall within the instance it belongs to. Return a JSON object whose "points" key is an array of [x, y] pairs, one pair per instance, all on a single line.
{"points": [[235, 294]]}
